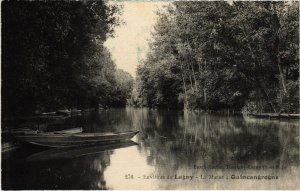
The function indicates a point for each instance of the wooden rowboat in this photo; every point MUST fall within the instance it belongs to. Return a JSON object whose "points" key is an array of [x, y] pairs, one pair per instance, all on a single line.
{"points": [[24, 130], [68, 131], [8, 146], [78, 139], [28, 131], [63, 112], [294, 116], [48, 113], [274, 116], [74, 152]]}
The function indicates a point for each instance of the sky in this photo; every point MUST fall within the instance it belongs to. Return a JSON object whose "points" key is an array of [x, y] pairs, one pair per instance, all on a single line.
{"points": [[130, 43]]}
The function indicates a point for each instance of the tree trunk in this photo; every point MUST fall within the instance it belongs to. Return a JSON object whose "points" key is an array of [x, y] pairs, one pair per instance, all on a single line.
{"points": [[204, 87], [266, 95], [190, 77], [276, 48], [200, 75], [195, 81], [184, 86], [259, 83], [282, 78]]}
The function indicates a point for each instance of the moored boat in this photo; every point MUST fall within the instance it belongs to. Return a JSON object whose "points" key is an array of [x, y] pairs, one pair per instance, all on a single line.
{"points": [[8, 146], [63, 112], [69, 131], [284, 116], [24, 130], [73, 152], [48, 113], [294, 116], [77, 139], [75, 111], [274, 116], [28, 131], [265, 115]]}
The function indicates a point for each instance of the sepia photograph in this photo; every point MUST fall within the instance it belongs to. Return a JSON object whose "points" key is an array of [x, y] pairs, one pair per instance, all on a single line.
{"points": [[150, 95]]}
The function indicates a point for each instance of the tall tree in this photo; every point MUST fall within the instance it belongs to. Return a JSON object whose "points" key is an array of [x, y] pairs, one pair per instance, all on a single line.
{"points": [[226, 56], [51, 51]]}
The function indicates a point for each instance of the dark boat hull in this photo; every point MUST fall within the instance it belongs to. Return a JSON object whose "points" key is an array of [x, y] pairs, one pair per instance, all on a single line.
{"points": [[74, 140], [274, 116], [73, 152]]}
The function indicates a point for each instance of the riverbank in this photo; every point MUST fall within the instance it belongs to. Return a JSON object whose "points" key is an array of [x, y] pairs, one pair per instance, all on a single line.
{"points": [[279, 116]]}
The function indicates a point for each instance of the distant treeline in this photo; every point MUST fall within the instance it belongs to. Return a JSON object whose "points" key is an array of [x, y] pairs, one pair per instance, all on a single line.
{"points": [[218, 56], [53, 57]]}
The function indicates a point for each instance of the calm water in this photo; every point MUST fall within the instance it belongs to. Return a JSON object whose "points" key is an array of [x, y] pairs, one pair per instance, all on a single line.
{"points": [[174, 150]]}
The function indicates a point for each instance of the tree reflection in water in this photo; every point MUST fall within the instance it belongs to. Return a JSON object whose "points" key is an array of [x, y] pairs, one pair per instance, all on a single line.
{"points": [[170, 142], [183, 139]]}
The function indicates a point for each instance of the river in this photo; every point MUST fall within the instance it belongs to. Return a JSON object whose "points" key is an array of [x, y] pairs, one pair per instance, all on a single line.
{"points": [[173, 150]]}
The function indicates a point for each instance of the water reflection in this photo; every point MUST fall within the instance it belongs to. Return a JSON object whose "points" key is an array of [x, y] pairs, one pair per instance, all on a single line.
{"points": [[80, 173], [219, 145], [220, 140], [171, 142]]}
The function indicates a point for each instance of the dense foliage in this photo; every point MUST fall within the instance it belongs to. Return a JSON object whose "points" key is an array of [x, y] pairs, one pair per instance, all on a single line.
{"points": [[216, 56], [53, 56], [123, 88]]}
